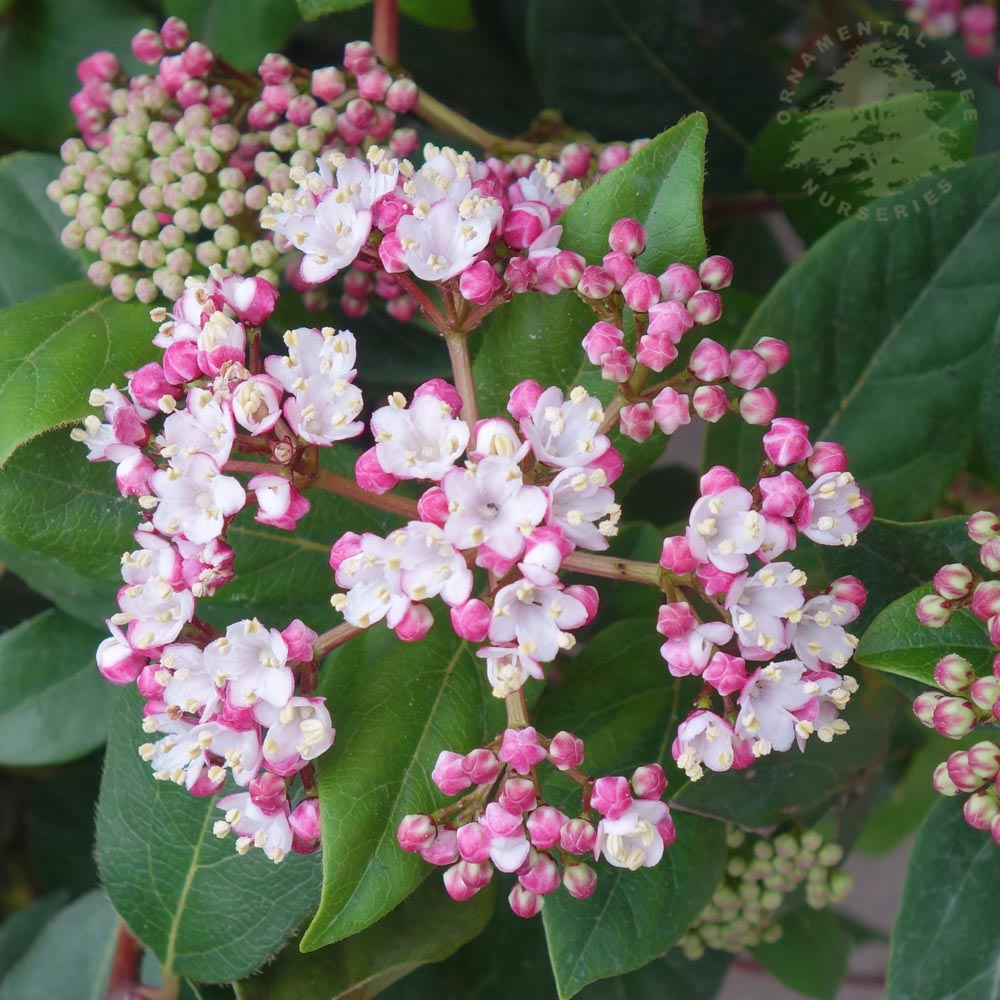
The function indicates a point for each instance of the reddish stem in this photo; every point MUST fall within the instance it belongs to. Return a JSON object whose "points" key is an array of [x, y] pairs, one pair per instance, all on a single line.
{"points": [[385, 31], [430, 310], [332, 482], [125, 964]]}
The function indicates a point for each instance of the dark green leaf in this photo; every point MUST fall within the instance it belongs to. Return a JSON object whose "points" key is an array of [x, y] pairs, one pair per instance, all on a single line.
{"points": [[396, 707], [811, 954], [896, 643], [453, 14], [989, 411], [672, 977], [241, 31], [54, 705], [22, 927], [311, 9], [826, 164], [54, 350], [205, 912], [944, 942], [39, 49], [71, 957], [32, 259], [427, 927], [863, 311]]}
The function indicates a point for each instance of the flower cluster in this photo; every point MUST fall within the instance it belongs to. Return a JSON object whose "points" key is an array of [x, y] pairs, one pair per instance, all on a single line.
{"points": [[760, 875], [977, 22], [967, 700], [236, 704], [504, 824]]}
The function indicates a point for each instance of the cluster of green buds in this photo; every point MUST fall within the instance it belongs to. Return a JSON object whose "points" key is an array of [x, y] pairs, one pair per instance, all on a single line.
{"points": [[760, 875]]}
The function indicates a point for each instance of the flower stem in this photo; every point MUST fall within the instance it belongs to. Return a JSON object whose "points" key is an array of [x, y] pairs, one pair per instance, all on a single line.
{"points": [[613, 568], [461, 366], [517, 710], [125, 963], [428, 308], [255, 468], [385, 30], [329, 641], [435, 113], [332, 482]]}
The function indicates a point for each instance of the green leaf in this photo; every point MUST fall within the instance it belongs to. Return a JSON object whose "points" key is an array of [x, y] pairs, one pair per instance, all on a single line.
{"points": [[811, 954], [672, 977], [396, 707], [22, 927], [427, 927], [32, 258], [863, 311], [55, 349], [54, 705], [241, 31], [944, 941], [826, 164], [203, 910], [453, 14], [39, 49], [626, 718], [989, 411], [898, 644], [311, 9], [71, 957]]}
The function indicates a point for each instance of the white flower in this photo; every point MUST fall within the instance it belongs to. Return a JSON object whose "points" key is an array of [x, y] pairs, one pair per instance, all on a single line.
{"points": [[580, 499], [563, 432], [762, 605], [251, 661], [635, 839], [422, 441], [724, 530], [767, 705]]}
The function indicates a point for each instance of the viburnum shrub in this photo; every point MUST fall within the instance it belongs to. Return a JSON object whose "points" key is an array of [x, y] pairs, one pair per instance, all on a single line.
{"points": [[408, 562]]}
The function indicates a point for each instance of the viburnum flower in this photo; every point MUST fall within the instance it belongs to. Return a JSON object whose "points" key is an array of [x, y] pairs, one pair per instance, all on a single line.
{"points": [[768, 706], [636, 839], [563, 432], [724, 529], [251, 660]]}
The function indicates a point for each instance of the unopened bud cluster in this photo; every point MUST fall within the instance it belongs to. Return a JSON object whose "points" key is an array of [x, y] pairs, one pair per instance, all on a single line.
{"points": [[505, 825], [760, 874], [976, 22]]}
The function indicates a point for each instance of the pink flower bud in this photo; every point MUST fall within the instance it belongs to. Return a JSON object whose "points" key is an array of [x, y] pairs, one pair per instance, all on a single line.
{"points": [[611, 797], [758, 407], [524, 903], [617, 365], [449, 773], [709, 361], [983, 526], [520, 274], [596, 283], [710, 402], [782, 495], [374, 83], [116, 661], [304, 820], [636, 421], [747, 369], [675, 621], [359, 57], [520, 749], [715, 581], [942, 782], [827, 456], [678, 283], [443, 849], [197, 59], [986, 599], [327, 84], [147, 46], [478, 875], [953, 581], [627, 236], [726, 673], [416, 832], [370, 476], [565, 751], [649, 781], [787, 442], [580, 880], [933, 611], [482, 766], [705, 307], [415, 624], [544, 827], [850, 589], [676, 556], [716, 272], [442, 390], [610, 463], [954, 718], [523, 398], [954, 673], [981, 809], [359, 113], [566, 269], [473, 843], [524, 223], [174, 34], [984, 692], [132, 474], [99, 67], [978, 20], [299, 639], [961, 774], [471, 620], [148, 684], [589, 597], [542, 877], [260, 117], [268, 793], [671, 410], [517, 796], [574, 158], [402, 96], [456, 886], [620, 266], [612, 156], [180, 362], [600, 339], [279, 503], [984, 759], [479, 283], [924, 705], [641, 291], [578, 837], [670, 319], [989, 555], [349, 544], [656, 351]]}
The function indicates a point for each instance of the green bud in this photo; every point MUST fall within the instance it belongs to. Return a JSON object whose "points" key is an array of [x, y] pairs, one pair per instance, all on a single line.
{"points": [[263, 253], [72, 236], [187, 219], [172, 237], [94, 237], [227, 237], [238, 260], [100, 273], [68, 204], [735, 867], [179, 262], [212, 216], [145, 223], [123, 287], [225, 138], [122, 191], [145, 291], [71, 149], [151, 197], [208, 253], [811, 840], [231, 178], [830, 855], [231, 202], [763, 850], [269, 275], [256, 197], [113, 218], [128, 253]]}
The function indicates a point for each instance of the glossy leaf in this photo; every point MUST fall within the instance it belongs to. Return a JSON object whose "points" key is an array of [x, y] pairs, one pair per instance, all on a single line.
{"points": [[21, 927], [204, 911], [32, 258], [427, 927], [863, 311], [942, 942], [618, 698], [396, 707], [54, 705], [898, 644], [811, 954], [71, 957], [54, 350]]}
